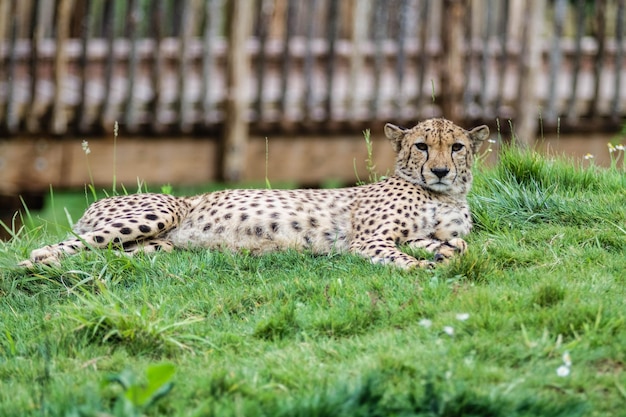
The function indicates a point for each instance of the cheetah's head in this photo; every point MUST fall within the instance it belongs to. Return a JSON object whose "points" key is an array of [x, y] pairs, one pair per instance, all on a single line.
{"points": [[436, 154]]}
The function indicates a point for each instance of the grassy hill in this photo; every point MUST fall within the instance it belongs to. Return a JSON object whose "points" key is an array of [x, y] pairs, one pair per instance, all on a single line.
{"points": [[531, 322]]}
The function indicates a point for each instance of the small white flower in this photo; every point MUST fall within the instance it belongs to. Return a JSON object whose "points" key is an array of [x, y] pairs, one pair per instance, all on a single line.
{"points": [[567, 359], [425, 323], [588, 156], [85, 146], [492, 141], [449, 330], [562, 371], [620, 147], [462, 316]]}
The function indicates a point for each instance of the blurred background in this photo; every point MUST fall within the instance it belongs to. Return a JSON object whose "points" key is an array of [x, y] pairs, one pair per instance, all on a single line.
{"points": [[188, 92]]}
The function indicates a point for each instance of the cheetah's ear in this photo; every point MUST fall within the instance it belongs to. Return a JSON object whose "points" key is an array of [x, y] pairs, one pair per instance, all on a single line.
{"points": [[395, 135], [478, 135]]}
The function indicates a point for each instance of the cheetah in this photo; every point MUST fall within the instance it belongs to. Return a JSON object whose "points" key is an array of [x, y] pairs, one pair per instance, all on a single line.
{"points": [[422, 205]]}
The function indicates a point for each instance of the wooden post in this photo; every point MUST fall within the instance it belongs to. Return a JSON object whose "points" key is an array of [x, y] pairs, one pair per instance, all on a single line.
{"points": [[59, 115], [238, 74], [453, 60], [528, 110]]}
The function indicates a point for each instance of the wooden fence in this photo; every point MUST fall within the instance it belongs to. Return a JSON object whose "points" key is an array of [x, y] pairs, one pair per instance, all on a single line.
{"points": [[72, 67]]}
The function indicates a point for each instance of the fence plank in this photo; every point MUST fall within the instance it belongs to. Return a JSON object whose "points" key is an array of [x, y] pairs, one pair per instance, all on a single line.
{"points": [[130, 118], [572, 112], [379, 24], [11, 118], [530, 66], [619, 59], [452, 71], [424, 56], [36, 34], [184, 108], [331, 39], [109, 32], [80, 119], [59, 112], [264, 13], [400, 99], [503, 59], [600, 27], [555, 60], [287, 57], [236, 127], [156, 69], [309, 98]]}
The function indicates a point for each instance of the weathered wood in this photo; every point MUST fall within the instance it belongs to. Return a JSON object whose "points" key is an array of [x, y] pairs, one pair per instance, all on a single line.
{"points": [[528, 111], [11, 118], [600, 28], [379, 26], [36, 34], [264, 13], [238, 62], [556, 56], [156, 67], [503, 58], [453, 68], [105, 111], [485, 74], [309, 99], [400, 69], [331, 40], [357, 57], [32, 165], [619, 59], [80, 119], [59, 112], [211, 16], [423, 57], [129, 105], [184, 108], [315, 62], [572, 112], [287, 59]]}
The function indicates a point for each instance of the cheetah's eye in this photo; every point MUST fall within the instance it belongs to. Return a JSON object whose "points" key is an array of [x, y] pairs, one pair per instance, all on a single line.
{"points": [[421, 146], [457, 147]]}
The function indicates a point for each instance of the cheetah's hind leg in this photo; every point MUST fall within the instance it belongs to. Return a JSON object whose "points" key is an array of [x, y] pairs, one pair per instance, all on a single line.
{"points": [[131, 223]]}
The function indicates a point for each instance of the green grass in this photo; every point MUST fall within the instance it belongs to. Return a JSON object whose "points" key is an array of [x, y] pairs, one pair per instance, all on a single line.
{"points": [[292, 334]]}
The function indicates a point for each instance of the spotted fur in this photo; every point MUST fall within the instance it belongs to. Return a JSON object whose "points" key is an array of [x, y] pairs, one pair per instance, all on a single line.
{"points": [[422, 205]]}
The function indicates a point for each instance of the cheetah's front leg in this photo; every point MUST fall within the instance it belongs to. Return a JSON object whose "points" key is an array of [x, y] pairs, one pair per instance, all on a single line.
{"points": [[385, 251], [442, 249]]}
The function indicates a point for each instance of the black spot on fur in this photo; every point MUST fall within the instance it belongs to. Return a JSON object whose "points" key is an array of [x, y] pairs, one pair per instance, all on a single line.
{"points": [[145, 229], [151, 216], [126, 230]]}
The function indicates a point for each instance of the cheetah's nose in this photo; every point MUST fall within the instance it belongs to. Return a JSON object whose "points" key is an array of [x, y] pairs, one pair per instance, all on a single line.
{"points": [[440, 172]]}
